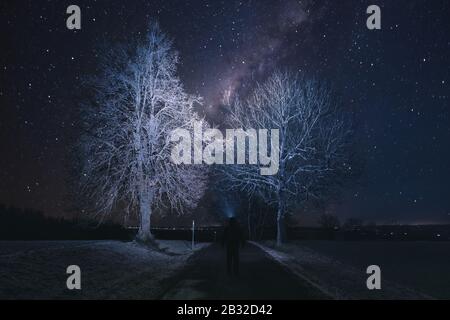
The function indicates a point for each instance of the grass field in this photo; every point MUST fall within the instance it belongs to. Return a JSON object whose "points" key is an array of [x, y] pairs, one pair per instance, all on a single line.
{"points": [[409, 269], [109, 269], [127, 270]]}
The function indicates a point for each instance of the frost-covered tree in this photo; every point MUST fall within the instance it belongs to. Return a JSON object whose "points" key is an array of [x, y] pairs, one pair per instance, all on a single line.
{"points": [[313, 141], [138, 100]]}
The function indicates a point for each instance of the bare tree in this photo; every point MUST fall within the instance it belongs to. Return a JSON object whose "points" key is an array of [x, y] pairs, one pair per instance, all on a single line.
{"points": [[313, 140], [138, 101]]}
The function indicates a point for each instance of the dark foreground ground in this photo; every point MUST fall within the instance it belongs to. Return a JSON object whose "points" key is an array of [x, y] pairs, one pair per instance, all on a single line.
{"points": [[109, 269], [423, 266], [126, 270], [260, 277], [298, 270]]}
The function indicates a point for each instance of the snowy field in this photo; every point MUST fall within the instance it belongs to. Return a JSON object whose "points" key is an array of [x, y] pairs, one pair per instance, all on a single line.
{"points": [[109, 269], [410, 270]]}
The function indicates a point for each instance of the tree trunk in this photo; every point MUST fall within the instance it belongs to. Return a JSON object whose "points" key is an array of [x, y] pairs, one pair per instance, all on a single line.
{"points": [[249, 222], [281, 228], [145, 212]]}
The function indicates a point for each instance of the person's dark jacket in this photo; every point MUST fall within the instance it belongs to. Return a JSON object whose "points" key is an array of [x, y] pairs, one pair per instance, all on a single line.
{"points": [[233, 236]]}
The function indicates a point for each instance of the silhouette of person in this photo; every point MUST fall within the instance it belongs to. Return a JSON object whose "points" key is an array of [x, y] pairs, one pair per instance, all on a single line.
{"points": [[233, 238]]}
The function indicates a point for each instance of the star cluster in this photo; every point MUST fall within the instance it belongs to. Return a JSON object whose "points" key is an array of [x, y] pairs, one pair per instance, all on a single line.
{"points": [[394, 81]]}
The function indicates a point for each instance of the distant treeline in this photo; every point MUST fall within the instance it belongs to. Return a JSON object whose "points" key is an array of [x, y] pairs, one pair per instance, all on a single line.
{"points": [[383, 232], [28, 224]]}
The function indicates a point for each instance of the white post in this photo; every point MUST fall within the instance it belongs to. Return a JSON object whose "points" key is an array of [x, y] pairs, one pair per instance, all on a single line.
{"points": [[193, 230]]}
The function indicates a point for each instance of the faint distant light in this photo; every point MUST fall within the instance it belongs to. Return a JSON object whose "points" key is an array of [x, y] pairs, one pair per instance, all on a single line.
{"points": [[438, 235]]}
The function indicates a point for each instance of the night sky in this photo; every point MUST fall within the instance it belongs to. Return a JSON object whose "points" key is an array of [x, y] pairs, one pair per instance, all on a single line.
{"points": [[394, 81]]}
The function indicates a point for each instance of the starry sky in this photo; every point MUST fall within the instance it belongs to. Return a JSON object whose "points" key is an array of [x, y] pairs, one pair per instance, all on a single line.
{"points": [[395, 82]]}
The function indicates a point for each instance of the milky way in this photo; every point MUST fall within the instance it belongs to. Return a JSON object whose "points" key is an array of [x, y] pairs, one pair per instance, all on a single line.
{"points": [[394, 81]]}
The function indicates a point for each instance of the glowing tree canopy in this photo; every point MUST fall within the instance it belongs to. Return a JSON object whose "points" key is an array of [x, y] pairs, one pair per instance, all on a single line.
{"points": [[138, 101], [312, 146]]}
